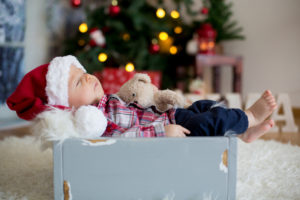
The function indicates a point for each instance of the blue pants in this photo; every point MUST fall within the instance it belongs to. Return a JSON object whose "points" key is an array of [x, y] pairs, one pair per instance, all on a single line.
{"points": [[204, 118]]}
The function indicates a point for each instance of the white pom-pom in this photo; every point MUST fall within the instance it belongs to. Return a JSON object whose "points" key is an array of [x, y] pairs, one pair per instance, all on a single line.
{"points": [[90, 122]]}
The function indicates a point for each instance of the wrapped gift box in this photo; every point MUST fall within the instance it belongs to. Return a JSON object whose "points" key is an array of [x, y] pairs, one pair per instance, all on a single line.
{"points": [[113, 78]]}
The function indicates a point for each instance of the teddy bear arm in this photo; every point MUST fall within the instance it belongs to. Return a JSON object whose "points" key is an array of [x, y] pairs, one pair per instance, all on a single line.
{"points": [[171, 98], [164, 97]]}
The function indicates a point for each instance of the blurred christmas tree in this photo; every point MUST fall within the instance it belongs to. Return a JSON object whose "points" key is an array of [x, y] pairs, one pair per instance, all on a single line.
{"points": [[136, 32], [219, 15]]}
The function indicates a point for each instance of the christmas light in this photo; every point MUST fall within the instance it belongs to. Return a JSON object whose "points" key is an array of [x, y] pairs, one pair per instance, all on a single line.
{"points": [[83, 28], [211, 45], [203, 46], [129, 67], [163, 36], [102, 57], [160, 13], [126, 36], [81, 42], [114, 2], [175, 14], [178, 30], [173, 50]]}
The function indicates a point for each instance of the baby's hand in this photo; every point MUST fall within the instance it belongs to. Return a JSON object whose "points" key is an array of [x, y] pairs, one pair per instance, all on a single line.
{"points": [[174, 130]]}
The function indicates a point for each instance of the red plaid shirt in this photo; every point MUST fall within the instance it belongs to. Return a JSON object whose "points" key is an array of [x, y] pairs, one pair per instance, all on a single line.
{"points": [[132, 120]]}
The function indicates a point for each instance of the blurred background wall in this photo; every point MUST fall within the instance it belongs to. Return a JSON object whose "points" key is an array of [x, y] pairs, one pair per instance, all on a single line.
{"points": [[271, 50]]}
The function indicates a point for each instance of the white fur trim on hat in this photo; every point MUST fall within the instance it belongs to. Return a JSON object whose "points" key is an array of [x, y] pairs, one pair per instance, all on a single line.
{"points": [[88, 122], [57, 79], [54, 125]]}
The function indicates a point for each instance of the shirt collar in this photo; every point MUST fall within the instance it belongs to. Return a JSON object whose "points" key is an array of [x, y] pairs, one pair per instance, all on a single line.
{"points": [[103, 101]]}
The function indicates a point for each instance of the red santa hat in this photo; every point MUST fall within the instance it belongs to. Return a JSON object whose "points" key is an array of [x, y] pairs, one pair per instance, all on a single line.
{"points": [[45, 88]]}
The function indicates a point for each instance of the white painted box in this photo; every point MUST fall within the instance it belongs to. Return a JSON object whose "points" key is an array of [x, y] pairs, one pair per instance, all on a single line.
{"points": [[146, 168]]}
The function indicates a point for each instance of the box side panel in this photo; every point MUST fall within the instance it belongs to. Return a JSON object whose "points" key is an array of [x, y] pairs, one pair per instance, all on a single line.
{"points": [[188, 168], [57, 171], [232, 170]]}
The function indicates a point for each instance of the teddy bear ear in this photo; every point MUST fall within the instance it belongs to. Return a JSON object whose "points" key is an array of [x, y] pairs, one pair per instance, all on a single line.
{"points": [[142, 77]]}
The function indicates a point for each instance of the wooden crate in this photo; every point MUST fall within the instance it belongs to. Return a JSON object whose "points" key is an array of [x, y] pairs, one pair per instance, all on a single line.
{"points": [[145, 168]]}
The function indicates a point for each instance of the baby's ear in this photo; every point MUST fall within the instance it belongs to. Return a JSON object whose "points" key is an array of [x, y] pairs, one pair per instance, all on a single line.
{"points": [[142, 77]]}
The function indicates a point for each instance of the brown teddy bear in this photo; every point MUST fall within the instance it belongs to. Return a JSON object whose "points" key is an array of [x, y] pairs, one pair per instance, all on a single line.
{"points": [[140, 90]]}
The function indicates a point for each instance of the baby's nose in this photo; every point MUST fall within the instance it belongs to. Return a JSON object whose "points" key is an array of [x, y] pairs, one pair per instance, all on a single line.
{"points": [[87, 77]]}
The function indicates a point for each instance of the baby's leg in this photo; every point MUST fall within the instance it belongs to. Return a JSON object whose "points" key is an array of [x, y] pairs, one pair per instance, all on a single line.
{"points": [[182, 115], [261, 109], [255, 132], [202, 106], [215, 122]]}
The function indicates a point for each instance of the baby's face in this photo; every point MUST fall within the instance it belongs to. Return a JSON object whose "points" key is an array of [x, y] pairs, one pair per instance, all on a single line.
{"points": [[83, 88]]}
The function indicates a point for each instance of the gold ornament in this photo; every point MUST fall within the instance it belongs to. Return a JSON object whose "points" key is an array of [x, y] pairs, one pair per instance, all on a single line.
{"points": [[165, 45], [81, 42], [126, 37], [114, 2], [154, 41]]}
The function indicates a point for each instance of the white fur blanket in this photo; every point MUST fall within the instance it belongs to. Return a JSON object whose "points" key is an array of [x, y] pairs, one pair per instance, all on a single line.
{"points": [[266, 170]]}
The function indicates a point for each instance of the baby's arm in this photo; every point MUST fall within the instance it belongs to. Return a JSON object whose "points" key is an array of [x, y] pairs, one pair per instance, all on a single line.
{"points": [[151, 130], [174, 130]]}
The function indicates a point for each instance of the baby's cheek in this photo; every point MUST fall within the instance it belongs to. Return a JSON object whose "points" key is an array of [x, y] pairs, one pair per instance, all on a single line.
{"points": [[84, 99], [88, 97]]}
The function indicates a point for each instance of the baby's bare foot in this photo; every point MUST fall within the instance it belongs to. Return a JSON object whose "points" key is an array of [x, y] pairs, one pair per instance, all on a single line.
{"points": [[261, 109], [257, 131]]}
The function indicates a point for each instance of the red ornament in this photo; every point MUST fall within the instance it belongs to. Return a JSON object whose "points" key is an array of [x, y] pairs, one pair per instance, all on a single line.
{"points": [[97, 37], [75, 3], [92, 43], [204, 10], [114, 10], [154, 48]]}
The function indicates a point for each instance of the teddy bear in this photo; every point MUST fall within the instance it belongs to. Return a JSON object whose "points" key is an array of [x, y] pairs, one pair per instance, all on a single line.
{"points": [[140, 90]]}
